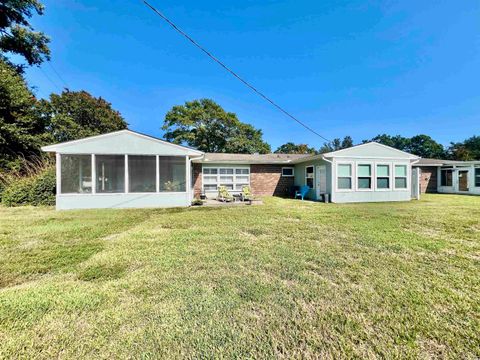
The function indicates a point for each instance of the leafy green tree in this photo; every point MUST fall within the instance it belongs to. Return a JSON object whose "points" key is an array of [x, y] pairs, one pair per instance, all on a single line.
{"points": [[17, 36], [206, 126], [424, 146], [77, 114], [398, 142], [291, 148], [22, 129], [336, 144], [466, 150]]}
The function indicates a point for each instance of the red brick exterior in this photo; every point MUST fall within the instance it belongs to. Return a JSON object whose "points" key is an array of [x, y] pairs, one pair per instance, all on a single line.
{"points": [[264, 180], [268, 180], [428, 179]]}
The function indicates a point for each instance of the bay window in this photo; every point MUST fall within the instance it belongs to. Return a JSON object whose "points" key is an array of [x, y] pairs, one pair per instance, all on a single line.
{"points": [[344, 176], [400, 176], [364, 176], [383, 176], [76, 174]]}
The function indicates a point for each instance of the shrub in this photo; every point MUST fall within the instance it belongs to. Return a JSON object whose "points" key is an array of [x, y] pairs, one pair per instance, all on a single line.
{"points": [[36, 188]]}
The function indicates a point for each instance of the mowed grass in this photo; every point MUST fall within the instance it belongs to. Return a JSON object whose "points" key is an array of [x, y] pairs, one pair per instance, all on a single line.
{"points": [[288, 279]]}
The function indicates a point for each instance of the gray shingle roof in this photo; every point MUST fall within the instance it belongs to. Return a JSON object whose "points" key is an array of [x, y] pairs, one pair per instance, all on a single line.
{"points": [[439, 162], [251, 158]]}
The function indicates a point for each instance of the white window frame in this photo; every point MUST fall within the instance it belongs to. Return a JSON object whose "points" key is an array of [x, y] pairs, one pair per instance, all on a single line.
{"points": [[234, 175], [408, 176], [352, 176], [372, 177], [290, 168], [313, 176], [390, 173]]}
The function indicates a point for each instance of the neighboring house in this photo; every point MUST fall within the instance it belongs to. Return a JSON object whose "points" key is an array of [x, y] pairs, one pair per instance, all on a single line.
{"points": [[449, 176], [130, 169]]}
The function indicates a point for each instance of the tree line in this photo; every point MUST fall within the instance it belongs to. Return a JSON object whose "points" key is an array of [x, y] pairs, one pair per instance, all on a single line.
{"points": [[27, 123]]}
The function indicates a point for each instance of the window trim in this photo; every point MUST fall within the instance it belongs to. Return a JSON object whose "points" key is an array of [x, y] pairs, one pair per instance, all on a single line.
{"points": [[390, 183], [288, 167], [452, 170], [372, 177], [352, 176], [218, 175], [313, 176], [407, 177]]}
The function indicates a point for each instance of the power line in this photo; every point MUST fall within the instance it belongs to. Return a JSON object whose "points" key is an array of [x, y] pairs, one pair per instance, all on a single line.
{"points": [[49, 79], [58, 75], [246, 83]]}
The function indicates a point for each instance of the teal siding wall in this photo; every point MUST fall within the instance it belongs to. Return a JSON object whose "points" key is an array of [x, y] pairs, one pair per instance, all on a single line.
{"points": [[300, 176]]}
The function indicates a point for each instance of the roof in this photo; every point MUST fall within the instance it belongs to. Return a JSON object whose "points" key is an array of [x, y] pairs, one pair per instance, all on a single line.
{"points": [[372, 150], [121, 142], [440, 162], [251, 158]]}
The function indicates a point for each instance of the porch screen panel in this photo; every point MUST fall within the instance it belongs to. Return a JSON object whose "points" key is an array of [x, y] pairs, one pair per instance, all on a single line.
{"points": [[110, 173], [76, 174], [172, 174], [477, 177], [142, 175]]}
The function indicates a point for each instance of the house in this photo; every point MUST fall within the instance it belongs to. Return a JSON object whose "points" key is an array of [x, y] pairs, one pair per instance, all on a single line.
{"points": [[449, 176], [126, 169]]}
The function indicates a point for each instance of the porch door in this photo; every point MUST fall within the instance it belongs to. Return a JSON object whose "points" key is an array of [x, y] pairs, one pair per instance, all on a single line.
{"points": [[463, 180], [321, 180]]}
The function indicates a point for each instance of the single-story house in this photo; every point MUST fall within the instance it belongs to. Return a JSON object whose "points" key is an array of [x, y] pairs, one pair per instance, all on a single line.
{"points": [[126, 169], [449, 176]]}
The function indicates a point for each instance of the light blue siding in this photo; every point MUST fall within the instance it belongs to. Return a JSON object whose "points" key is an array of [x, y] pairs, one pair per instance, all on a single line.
{"points": [[300, 176]]}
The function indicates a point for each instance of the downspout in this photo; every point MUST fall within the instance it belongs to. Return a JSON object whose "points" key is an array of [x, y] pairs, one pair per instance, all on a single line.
{"points": [[418, 178], [191, 174], [331, 177]]}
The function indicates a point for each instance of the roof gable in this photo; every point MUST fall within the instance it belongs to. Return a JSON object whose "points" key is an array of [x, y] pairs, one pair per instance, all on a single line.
{"points": [[121, 142], [371, 150]]}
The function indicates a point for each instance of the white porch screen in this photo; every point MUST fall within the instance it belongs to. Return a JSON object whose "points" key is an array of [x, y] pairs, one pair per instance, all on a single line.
{"points": [[172, 174], [110, 173], [142, 173], [76, 174]]}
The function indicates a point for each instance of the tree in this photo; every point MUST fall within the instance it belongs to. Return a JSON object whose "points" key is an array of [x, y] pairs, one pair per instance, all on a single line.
{"points": [[205, 125], [424, 146], [336, 144], [77, 114], [17, 36], [398, 142], [22, 129], [291, 148], [466, 150]]}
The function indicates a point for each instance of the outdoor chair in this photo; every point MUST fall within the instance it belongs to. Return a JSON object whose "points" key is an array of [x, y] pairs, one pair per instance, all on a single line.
{"points": [[302, 192], [246, 194], [224, 195]]}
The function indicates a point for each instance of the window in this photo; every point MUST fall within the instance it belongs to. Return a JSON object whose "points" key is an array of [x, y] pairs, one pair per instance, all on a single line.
{"points": [[232, 178], [110, 173], [288, 171], [400, 176], [142, 173], [477, 177], [446, 176], [172, 174], [76, 174], [383, 177], [309, 176], [344, 176], [364, 176]]}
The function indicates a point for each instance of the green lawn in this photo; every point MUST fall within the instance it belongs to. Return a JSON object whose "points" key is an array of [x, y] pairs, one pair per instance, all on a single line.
{"points": [[286, 279]]}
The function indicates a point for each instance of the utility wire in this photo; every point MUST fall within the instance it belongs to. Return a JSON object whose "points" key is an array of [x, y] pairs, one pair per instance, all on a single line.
{"points": [[246, 83], [58, 75], [50, 79]]}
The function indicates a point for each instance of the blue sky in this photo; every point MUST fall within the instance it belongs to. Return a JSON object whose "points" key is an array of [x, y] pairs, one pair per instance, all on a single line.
{"points": [[354, 68]]}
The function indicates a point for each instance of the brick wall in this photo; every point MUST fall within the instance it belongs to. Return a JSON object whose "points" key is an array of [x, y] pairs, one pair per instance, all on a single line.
{"points": [[428, 179], [268, 180], [264, 180]]}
